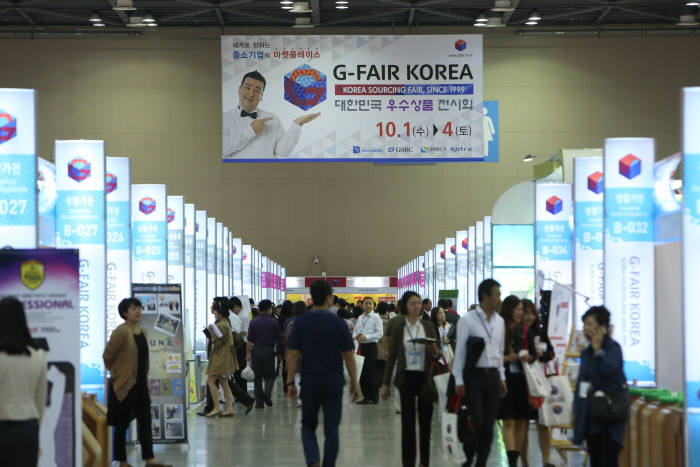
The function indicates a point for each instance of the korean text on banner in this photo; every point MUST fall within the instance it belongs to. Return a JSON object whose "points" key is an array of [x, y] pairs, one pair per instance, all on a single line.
{"points": [[80, 223], [691, 266], [149, 255], [118, 189], [18, 207], [629, 252], [46, 282], [426, 104], [553, 235], [188, 292], [201, 281]]}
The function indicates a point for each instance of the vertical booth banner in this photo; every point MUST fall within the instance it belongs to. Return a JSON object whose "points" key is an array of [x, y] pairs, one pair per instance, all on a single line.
{"points": [[553, 235], [258, 275], [283, 283], [421, 275], [46, 282], [176, 241], [264, 280], [439, 255], [247, 270], [149, 241], [479, 252], [118, 194], [46, 203], [219, 259], [227, 259], [588, 230], [18, 166], [488, 259], [166, 377], [428, 274], [450, 263], [691, 265], [462, 259], [211, 266], [237, 256], [188, 293], [201, 308], [629, 252], [80, 223], [471, 258]]}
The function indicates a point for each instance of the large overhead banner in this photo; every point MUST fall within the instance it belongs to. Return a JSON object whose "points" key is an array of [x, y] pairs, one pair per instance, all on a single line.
{"points": [[553, 235], [149, 251], [18, 211], [629, 251], [691, 265], [80, 224], [400, 98]]}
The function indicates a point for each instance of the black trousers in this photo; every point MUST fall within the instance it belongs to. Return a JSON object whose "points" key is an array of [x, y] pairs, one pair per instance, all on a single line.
{"points": [[368, 379], [19, 442], [238, 392], [409, 392], [603, 450], [381, 364], [142, 409], [483, 392], [242, 364]]}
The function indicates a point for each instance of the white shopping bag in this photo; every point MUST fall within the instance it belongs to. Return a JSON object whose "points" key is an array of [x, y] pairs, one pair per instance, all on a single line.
{"points": [[359, 363], [451, 446], [557, 407], [537, 383], [441, 382]]}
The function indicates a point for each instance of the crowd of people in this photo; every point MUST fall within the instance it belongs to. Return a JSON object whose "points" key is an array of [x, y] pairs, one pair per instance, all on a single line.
{"points": [[309, 345]]}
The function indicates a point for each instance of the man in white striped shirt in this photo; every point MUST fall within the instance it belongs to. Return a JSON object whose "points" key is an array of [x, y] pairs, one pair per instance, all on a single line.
{"points": [[485, 385], [369, 329]]}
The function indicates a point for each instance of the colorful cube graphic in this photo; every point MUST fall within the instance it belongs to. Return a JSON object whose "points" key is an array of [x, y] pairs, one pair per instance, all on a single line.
{"points": [[460, 45], [554, 205], [8, 126], [110, 182], [630, 166], [147, 205], [305, 87], [595, 182], [78, 169]]}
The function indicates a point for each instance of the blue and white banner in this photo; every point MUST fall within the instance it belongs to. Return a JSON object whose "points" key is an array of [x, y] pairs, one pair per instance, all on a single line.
{"points": [[227, 262], [176, 241], [237, 256], [201, 280], [265, 283], [257, 275], [439, 255], [588, 228], [479, 252], [462, 261], [80, 224], [471, 258], [488, 259], [629, 252], [429, 285], [219, 259], [188, 291], [247, 270], [211, 266], [420, 261], [149, 247], [450, 264], [691, 265], [46, 202], [18, 206], [118, 193], [553, 233]]}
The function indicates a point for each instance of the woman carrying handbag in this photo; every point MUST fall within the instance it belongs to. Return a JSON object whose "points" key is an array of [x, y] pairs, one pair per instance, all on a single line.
{"points": [[413, 350]]}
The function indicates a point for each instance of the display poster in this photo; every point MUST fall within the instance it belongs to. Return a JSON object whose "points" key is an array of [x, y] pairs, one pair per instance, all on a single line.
{"points": [[471, 258], [400, 98], [629, 252], [176, 241], [46, 202], [167, 371], [691, 266], [450, 263], [488, 258], [80, 224], [588, 230], [46, 282], [558, 327], [420, 261], [462, 267], [188, 292], [439, 255], [149, 241], [237, 267], [18, 169], [553, 233], [118, 194], [479, 252], [247, 270], [201, 308], [211, 267]]}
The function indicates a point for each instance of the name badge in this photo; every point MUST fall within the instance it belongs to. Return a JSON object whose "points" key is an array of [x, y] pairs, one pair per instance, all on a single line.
{"points": [[415, 357], [583, 388]]}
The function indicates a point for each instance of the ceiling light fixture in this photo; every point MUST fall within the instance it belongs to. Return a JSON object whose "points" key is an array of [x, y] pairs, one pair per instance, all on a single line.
{"points": [[99, 24], [688, 20], [503, 5], [341, 7], [479, 25], [529, 158], [149, 18], [341, 2], [95, 18], [692, 3], [124, 5], [482, 18], [286, 7], [532, 23], [534, 16], [152, 25], [495, 22], [286, 2], [300, 7]]}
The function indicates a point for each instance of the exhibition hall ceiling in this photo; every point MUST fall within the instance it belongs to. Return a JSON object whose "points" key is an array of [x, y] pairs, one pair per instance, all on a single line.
{"points": [[626, 14]]}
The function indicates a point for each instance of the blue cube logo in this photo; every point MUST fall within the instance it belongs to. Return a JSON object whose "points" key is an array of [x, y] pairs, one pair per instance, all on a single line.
{"points": [[305, 87], [630, 166], [461, 45], [356, 149], [595, 182], [554, 205]]}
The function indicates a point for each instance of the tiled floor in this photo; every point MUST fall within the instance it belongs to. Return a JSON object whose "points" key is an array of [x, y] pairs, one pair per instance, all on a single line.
{"points": [[270, 437]]}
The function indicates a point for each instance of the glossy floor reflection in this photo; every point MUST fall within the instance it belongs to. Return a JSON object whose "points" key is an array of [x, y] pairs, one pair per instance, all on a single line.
{"points": [[270, 437]]}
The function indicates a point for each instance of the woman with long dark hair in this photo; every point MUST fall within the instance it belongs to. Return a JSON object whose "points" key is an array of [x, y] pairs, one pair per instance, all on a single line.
{"points": [[22, 385]]}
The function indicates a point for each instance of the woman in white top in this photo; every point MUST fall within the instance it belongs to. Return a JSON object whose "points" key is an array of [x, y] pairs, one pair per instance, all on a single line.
{"points": [[437, 316], [22, 386]]}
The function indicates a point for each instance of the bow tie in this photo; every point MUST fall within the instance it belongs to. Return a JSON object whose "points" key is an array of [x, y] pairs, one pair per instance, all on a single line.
{"points": [[253, 115]]}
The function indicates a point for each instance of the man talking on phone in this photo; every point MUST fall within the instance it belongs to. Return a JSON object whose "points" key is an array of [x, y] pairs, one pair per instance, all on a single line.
{"points": [[249, 131]]}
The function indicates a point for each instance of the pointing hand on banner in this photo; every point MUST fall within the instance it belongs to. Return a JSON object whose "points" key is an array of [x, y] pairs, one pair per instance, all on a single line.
{"points": [[259, 125], [304, 119]]}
